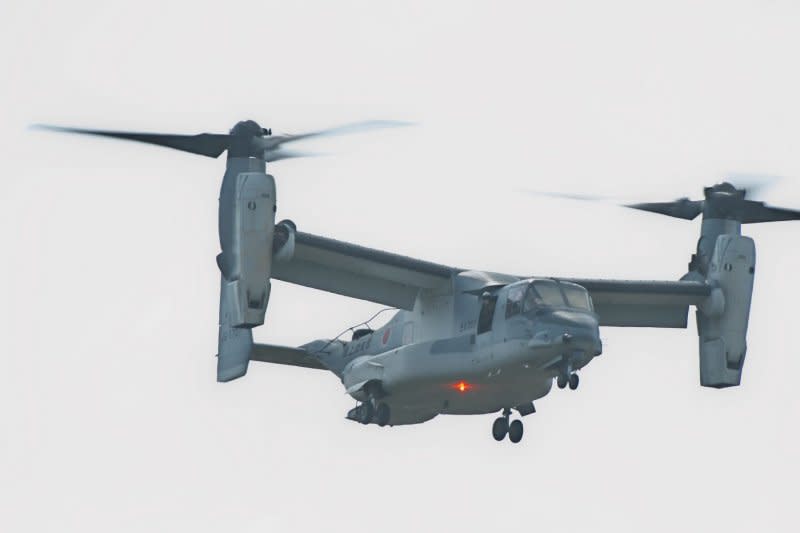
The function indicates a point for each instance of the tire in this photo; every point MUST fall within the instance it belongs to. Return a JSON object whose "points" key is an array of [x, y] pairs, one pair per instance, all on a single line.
{"points": [[561, 381], [515, 431], [500, 428], [574, 380], [382, 414], [366, 413]]}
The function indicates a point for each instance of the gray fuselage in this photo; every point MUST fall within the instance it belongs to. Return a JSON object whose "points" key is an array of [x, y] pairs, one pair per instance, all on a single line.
{"points": [[470, 351]]}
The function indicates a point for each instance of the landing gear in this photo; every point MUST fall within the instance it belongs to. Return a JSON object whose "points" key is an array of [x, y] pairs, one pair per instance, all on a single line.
{"points": [[566, 376], [502, 427], [366, 412], [573, 381], [568, 379], [382, 414], [372, 409], [371, 412]]}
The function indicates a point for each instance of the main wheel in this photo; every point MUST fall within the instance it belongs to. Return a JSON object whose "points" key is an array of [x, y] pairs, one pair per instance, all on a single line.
{"points": [[382, 414], [573, 381], [500, 428], [366, 412], [561, 381], [515, 431]]}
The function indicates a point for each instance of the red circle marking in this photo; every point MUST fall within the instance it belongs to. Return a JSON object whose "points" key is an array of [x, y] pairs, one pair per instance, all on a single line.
{"points": [[386, 335]]}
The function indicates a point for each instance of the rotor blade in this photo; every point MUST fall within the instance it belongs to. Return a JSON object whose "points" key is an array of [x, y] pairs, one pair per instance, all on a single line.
{"points": [[279, 154], [579, 197], [754, 185], [208, 144], [683, 208], [270, 143], [753, 212]]}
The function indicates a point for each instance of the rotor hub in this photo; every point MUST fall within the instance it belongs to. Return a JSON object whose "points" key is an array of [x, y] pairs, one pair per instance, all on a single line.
{"points": [[243, 140], [248, 128], [724, 190]]}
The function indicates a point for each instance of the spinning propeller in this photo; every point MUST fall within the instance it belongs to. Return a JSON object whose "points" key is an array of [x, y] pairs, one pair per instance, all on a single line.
{"points": [[246, 139], [722, 201], [725, 208]]}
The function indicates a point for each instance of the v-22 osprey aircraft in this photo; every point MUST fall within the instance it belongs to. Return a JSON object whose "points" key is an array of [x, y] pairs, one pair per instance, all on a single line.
{"points": [[462, 342]]}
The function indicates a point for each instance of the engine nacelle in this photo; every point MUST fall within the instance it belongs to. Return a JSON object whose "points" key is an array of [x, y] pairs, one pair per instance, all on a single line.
{"points": [[246, 229], [722, 329], [247, 224]]}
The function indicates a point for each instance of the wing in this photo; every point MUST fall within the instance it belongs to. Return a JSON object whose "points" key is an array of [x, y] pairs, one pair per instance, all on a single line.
{"points": [[284, 355], [395, 280], [359, 272], [655, 304]]}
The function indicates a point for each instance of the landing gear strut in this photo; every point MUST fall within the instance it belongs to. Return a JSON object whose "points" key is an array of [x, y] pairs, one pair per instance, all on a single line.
{"points": [[372, 409], [573, 381], [570, 379], [370, 412], [382, 414], [566, 376], [502, 427], [366, 412]]}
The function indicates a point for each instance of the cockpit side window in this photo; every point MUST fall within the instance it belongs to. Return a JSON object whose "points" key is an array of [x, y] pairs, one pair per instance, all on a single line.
{"points": [[577, 296], [514, 300], [486, 316]]}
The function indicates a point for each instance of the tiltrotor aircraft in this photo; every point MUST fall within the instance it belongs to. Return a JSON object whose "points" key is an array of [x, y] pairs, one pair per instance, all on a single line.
{"points": [[462, 341]]}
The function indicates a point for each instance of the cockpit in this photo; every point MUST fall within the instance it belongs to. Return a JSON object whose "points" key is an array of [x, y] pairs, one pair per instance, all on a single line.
{"points": [[530, 296]]}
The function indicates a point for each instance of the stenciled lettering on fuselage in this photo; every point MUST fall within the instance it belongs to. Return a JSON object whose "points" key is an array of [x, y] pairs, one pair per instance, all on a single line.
{"points": [[467, 325], [359, 346]]}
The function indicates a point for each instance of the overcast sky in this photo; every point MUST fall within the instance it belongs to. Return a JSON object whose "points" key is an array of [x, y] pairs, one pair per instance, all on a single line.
{"points": [[110, 416]]}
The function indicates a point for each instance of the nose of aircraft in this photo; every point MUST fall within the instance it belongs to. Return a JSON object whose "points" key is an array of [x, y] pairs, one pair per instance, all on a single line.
{"points": [[576, 327]]}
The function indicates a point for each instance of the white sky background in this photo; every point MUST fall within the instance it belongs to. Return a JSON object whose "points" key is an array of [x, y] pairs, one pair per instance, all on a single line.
{"points": [[110, 418]]}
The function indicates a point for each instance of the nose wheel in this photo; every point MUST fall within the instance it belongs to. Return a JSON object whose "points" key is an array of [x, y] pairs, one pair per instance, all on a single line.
{"points": [[503, 427], [568, 379], [574, 380]]}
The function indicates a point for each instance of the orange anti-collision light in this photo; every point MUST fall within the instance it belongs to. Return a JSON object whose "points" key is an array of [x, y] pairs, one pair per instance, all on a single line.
{"points": [[462, 386]]}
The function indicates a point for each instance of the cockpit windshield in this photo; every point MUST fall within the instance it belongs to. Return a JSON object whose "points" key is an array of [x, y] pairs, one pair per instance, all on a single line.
{"points": [[548, 293], [577, 296]]}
